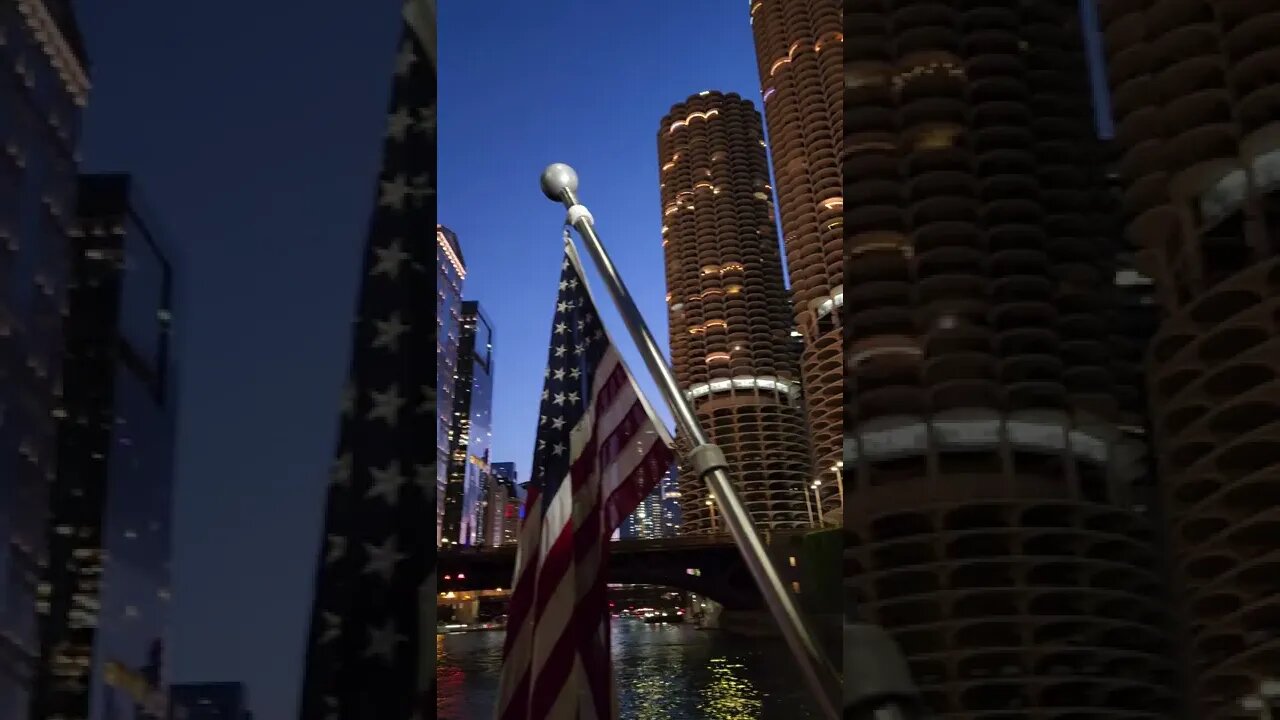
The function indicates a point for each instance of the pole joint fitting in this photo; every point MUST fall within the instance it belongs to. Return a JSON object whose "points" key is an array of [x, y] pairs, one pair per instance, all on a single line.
{"points": [[579, 212], [707, 459]]}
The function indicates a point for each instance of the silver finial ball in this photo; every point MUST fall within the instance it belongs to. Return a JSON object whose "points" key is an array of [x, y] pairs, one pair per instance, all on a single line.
{"points": [[557, 178]]}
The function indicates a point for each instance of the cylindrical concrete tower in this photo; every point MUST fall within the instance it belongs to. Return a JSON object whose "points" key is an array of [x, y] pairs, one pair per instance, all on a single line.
{"points": [[1196, 96], [730, 319], [799, 48], [988, 501]]}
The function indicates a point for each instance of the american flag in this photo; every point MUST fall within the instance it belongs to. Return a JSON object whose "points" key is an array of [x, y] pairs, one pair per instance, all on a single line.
{"points": [[599, 453], [366, 656]]}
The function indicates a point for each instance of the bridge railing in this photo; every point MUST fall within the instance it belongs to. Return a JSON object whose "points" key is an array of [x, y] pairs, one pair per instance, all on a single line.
{"points": [[655, 544]]}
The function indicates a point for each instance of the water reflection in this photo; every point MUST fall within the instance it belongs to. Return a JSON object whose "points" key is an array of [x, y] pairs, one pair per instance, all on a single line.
{"points": [[662, 673]]}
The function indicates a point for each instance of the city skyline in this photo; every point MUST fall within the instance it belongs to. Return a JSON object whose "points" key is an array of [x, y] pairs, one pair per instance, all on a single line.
{"points": [[489, 195], [1059, 359]]}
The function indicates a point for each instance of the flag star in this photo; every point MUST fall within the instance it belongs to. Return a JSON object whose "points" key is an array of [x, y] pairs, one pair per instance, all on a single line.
{"points": [[406, 59], [394, 192], [386, 405], [557, 449], [573, 397], [562, 306], [383, 559], [398, 124], [341, 473], [599, 334], [337, 548], [386, 483], [542, 444], [565, 265], [560, 350], [564, 284], [574, 373], [332, 627], [547, 373], [578, 348], [388, 332], [545, 395], [559, 400], [573, 283], [389, 260], [561, 328], [557, 423], [542, 419], [383, 642], [559, 373], [581, 324]]}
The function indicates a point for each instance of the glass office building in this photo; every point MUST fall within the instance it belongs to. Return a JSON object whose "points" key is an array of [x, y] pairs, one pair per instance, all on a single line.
{"points": [[104, 599], [43, 88], [472, 429], [451, 271]]}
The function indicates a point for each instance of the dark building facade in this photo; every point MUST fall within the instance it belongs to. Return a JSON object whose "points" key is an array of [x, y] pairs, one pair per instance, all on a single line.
{"points": [[43, 89], [729, 315], [106, 593], [799, 53], [990, 517], [451, 271], [210, 701], [472, 430], [502, 505], [1196, 100]]}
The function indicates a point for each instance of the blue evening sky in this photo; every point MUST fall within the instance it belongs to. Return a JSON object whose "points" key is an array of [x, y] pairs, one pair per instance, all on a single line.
{"points": [[254, 129], [586, 83]]}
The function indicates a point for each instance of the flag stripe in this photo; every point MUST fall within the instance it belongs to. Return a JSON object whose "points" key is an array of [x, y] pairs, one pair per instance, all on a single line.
{"points": [[597, 449]]}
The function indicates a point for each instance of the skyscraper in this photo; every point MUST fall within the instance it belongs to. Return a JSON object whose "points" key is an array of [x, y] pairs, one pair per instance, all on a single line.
{"points": [[799, 52], [472, 430], [105, 595], [1196, 100], [451, 271], [43, 89], [658, 515], [730, 319], [990, 518], [502, 507]]}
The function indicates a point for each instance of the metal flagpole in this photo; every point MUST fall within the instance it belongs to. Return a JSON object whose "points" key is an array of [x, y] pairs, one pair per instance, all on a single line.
{"points": [[560, 183]]}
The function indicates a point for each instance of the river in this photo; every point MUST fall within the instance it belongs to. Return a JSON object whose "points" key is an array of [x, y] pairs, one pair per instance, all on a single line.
{"points": [[662, 672]]}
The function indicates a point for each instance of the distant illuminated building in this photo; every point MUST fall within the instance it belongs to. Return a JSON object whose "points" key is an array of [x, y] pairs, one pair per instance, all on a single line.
{"points": [[471, 431], [502, 507], [658, 515], [43, 92], [451, 270], [105, 594], [799, 49], [729, 312]]}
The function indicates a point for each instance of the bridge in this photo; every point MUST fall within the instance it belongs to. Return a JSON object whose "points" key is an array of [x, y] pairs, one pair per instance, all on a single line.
{"points": [[709, 565]]}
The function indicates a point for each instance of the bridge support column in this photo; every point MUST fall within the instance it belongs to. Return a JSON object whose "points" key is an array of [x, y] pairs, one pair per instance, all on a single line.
{"points": [[466, 613]]}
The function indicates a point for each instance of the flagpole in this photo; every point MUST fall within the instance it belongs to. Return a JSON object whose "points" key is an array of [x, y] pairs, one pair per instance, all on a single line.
{"points": [[560, 183]]}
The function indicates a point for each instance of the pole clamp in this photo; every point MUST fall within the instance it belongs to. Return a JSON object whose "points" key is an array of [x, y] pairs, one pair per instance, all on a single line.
{"points": [[579, 212], [707, 458]]}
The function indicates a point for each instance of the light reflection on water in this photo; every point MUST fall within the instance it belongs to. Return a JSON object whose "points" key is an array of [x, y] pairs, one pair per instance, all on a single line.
{"points": [[662, 672]]}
